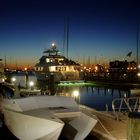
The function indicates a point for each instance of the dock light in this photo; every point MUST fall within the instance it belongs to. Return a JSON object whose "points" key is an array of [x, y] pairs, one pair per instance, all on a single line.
{"points": [[76, 96], [13, 79], [31, 83], [138, 74], [25, 69], [96, 68], [3, 80], [76, 93]]}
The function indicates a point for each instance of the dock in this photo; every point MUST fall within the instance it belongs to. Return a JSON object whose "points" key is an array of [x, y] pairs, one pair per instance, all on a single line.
{"points": [[108, 127]]}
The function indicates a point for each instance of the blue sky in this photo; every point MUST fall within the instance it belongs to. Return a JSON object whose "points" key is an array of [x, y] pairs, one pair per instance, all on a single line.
{"points": [[100, 29]]}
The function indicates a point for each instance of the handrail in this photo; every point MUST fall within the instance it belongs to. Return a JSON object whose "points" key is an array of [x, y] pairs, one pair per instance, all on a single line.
{"points": [[127, 102]]}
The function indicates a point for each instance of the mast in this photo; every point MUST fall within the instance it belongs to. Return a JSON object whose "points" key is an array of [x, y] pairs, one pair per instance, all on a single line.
{"points": [[67, 36], [64, 39], [5, 64], [137, 54]]}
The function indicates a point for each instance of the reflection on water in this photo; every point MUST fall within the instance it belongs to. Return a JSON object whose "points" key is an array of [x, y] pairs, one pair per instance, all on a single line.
{"points": [[95, 97]]}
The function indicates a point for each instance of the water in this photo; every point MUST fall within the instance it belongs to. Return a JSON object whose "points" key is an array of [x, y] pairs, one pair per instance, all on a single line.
{"points": [[99, 98]]}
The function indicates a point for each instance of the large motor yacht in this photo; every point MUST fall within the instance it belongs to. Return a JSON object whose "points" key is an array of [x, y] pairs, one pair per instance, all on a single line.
{"points": [[52, 63]]}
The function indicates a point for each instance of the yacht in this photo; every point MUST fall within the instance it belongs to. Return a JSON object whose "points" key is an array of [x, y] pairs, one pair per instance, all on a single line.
{"points": [[45, 117], [52, 63]]}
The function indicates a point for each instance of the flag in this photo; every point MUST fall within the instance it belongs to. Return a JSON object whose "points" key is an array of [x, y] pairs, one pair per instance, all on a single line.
{"points": [[129, 54]]}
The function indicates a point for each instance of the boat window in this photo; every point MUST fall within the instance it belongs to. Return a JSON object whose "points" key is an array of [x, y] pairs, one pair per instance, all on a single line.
{"points": [[47, 60], [60, 68]]}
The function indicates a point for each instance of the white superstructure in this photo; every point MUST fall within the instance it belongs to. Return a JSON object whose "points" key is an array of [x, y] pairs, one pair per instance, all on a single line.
{"points": [[54, 63]]}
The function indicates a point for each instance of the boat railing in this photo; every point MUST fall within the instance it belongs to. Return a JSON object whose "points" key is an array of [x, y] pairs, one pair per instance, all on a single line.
{"points": [[125, 105]]}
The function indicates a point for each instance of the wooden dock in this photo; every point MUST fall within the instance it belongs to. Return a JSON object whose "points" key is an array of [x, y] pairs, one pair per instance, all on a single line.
{"points": [[107, 128]]}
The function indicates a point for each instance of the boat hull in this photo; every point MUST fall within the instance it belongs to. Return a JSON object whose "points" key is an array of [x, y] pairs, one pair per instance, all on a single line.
{"points": [[30, 128]]}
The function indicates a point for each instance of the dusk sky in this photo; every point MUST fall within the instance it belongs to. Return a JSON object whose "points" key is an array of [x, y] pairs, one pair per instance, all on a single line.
{"points": [[103, 30]]}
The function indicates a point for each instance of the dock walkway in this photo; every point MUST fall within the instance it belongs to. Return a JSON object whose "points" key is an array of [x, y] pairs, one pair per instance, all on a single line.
{"points": [[107, 128]]}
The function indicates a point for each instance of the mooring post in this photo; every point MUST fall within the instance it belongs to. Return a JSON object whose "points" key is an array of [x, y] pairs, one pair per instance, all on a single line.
{"points": [[133, 129]]}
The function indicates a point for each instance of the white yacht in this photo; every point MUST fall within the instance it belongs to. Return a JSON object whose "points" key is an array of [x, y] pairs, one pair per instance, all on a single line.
{"points": [[54, 63], [46, 117]]}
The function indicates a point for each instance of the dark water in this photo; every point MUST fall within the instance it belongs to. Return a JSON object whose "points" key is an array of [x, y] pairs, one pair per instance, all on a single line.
{"points": [[95, 97], [5, 134]]}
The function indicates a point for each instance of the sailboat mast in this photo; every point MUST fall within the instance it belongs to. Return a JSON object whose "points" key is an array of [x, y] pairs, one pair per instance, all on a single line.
{"points": [[5, 65], [67, 37], [64, 39], [137, 44]]}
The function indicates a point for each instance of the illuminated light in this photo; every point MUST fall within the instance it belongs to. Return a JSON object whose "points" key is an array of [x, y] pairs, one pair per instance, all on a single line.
{"points": [[138, 74], [124, 75], [81, 70], [13, 79], [52, 68], [76, 93], [47, 60], [96, 68], [128, 68], [84, 67], [139, 66], [3, 80], [53, 44], [25, 69], [31, 83]]}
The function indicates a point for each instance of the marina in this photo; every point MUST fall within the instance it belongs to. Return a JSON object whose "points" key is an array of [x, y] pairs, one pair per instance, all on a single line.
{"points": [[86, 83], [73, 109], [97, 101]]}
